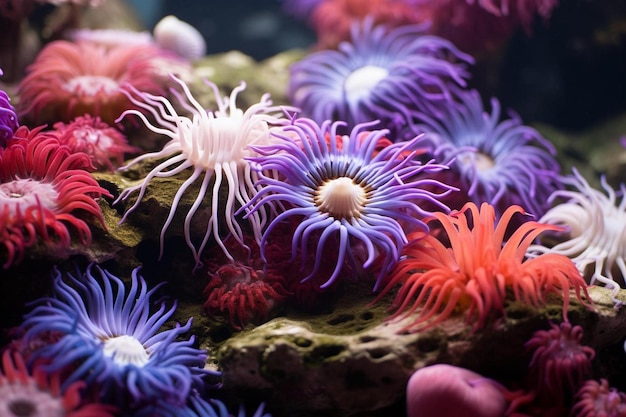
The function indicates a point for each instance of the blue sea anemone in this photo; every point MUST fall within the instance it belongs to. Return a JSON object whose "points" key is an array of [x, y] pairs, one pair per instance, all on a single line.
{"points": [[212, 146], [346, 189], [502, 163], [111, 340], [196, 407], [8, 118], [383, 74]]}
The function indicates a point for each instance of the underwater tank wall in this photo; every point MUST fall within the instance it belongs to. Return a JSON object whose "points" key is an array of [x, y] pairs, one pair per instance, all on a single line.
{"points": [[313, 208]]}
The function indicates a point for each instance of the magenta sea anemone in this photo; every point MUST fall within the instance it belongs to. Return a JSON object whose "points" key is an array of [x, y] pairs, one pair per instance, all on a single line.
{"points": [[112, 340], [72, 79], [502, 163], [341, 190], [38, 393], [382, 74], [43, 187], [212, 147], [598, 399]]}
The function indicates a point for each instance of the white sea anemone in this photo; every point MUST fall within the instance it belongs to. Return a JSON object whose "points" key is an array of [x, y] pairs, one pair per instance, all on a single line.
{"points": [[214, 146], [596, 231]]}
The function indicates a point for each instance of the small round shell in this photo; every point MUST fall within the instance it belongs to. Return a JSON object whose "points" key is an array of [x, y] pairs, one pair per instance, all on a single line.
{"points": [[179, 37]]}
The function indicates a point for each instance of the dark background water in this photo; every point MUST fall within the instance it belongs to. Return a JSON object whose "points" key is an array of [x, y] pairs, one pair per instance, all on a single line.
{"points": [[570, 73]]}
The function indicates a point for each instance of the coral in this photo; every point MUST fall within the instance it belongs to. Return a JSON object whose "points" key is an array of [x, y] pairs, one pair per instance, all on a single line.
{"points": [[503, 163], [112, 341], [380, 75], [38, 393], [8, 118], [448, 391], [350, 193], [597, 399], [595, 231], [43, 186], [560, 362], [72, 79], [103, 143], [213, 146], [478, 269]]}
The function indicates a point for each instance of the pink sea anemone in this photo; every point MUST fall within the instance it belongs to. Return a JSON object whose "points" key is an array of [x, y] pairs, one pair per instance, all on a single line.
{"points": [[39, 394], [475, 273], [597, 399], [43, 186], [104, 144], [560, 362], [72, 79]]}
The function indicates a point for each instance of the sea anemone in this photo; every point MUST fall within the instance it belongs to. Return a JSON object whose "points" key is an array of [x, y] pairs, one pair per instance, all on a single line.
{"points": [[196, 407], [213, 146], [478, 269], [502, 163], [103, 143], [72, 79], [524, 10], [560, 362], [597, 399], [345, 193], [8, 118], [38, 393], [43, 186], [172, 34], [382, 74], [112, 341], [594, 231]]}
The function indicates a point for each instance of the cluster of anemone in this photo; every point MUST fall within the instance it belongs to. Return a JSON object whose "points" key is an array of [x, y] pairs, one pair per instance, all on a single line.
{"points": [[212, 146], [38, 393], [110, 340], [68, 80], [477, 270], [345, 189], [594, 231], [381, 74], [501, 162], [43, 187]]}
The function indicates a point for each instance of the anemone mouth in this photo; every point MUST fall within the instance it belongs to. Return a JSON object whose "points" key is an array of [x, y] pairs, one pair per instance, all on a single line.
{"points": [[481, 161], [22, 408], [341, 197], [20, 194], [91, 85], [363, 80], [126, 350]]}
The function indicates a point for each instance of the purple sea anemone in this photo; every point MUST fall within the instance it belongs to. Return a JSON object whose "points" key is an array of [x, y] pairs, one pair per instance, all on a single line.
{"points": [[383, 74], [502, 163], [8, 118], [111, 340], [342, 190], [213, 146]]}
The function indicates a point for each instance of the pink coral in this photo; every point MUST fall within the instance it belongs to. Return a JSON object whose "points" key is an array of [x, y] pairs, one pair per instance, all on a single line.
{"points": [[476, 272]]}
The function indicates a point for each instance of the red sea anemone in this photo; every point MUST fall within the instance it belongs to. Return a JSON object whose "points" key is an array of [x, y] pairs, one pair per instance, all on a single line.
{"points": [[597, 399], [103, 143], [475, 273], [42, 185], [39, 394], [559, 361], [71, 79]]}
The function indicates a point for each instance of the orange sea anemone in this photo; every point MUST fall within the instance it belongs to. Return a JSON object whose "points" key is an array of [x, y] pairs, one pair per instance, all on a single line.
{"points": [[73, 79], [476, 271]]}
